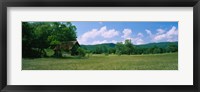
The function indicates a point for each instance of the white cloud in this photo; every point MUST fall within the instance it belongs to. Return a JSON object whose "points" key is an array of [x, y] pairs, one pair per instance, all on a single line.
{"points": [[110, 33], [94, 33], [103, 41], [126, 33], [163, 35], [104, 35], [88, 35], [140, 35], [99, 42], [114, 41], [159, 37], [138, 41], [149, 32], [172, 32], [160, 31], [171, 35], [135, 40]]}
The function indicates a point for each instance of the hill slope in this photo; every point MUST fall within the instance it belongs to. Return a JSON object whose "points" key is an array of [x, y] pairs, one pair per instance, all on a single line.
{"points": [[149, 45]]}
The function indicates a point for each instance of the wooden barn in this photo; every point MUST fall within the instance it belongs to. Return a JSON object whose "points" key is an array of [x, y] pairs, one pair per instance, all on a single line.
{"points": [[70, 46]]}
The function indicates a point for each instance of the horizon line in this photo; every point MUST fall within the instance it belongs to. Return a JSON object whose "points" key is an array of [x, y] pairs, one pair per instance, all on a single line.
{"points": [[133, 44]]}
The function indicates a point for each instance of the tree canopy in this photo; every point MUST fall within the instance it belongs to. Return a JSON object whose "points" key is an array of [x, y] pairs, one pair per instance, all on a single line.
{"points": [[128, 48], [37, 36]]}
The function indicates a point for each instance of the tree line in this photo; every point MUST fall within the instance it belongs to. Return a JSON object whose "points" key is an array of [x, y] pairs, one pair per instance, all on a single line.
{"points": [[129, 49]]}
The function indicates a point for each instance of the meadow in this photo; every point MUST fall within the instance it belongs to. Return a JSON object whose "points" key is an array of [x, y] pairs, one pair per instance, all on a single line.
{"points": [[165, 61]]}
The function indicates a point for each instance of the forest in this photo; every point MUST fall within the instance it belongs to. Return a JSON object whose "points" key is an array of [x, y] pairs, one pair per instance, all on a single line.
{"points": [[128, 48]]}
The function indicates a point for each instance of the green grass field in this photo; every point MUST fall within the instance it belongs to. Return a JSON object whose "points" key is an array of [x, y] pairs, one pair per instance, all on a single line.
{"points": [[168, 61]]}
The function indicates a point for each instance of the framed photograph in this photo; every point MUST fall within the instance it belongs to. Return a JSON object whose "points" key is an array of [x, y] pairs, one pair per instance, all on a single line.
{"points": [[121, 45]]}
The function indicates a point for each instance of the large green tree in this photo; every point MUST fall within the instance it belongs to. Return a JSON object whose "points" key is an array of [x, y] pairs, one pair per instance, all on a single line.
{"points": [[119, 48], [61, 33], [27, 39], [128, 47], [37, 36]]}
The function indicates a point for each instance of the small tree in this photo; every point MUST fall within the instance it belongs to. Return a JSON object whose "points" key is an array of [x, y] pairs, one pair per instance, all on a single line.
{"points": [[172, 48], [119, 48], [81, 52], [128, 47], [119, 53]]}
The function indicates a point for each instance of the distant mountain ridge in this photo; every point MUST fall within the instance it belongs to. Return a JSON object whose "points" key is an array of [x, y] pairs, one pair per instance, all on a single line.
{"points": [[149, 45], [160, 44]]}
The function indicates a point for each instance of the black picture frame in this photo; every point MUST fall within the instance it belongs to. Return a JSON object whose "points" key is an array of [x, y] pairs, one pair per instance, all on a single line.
{"points": [[98, 3]]}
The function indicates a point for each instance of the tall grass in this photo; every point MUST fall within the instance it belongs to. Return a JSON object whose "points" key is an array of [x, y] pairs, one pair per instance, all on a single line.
{"points": [[168, 61]]}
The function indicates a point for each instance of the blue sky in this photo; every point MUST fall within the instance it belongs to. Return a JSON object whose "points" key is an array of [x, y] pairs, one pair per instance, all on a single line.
{"points": [[90, 33]]}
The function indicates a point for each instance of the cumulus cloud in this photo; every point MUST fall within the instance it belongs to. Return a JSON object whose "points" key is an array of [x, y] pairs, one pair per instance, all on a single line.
{"points": [[126, 33], [140, 35], [171, 35], [99, 42], [110, 33], [163, 35], [138, 41], [160, 31], [113, 41], [159, 37], [103, 41], [172, 32], [148, 32], [102, 32], [104, 35]]}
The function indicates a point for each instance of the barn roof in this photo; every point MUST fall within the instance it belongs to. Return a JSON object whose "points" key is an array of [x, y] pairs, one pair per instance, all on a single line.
{"points": [[70, 44], [67, 45]]}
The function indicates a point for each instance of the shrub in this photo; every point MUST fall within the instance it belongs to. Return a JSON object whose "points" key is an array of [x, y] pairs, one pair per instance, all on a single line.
{"points": [[81, 52], [89, 54], [119, 53], [106, 54]]}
